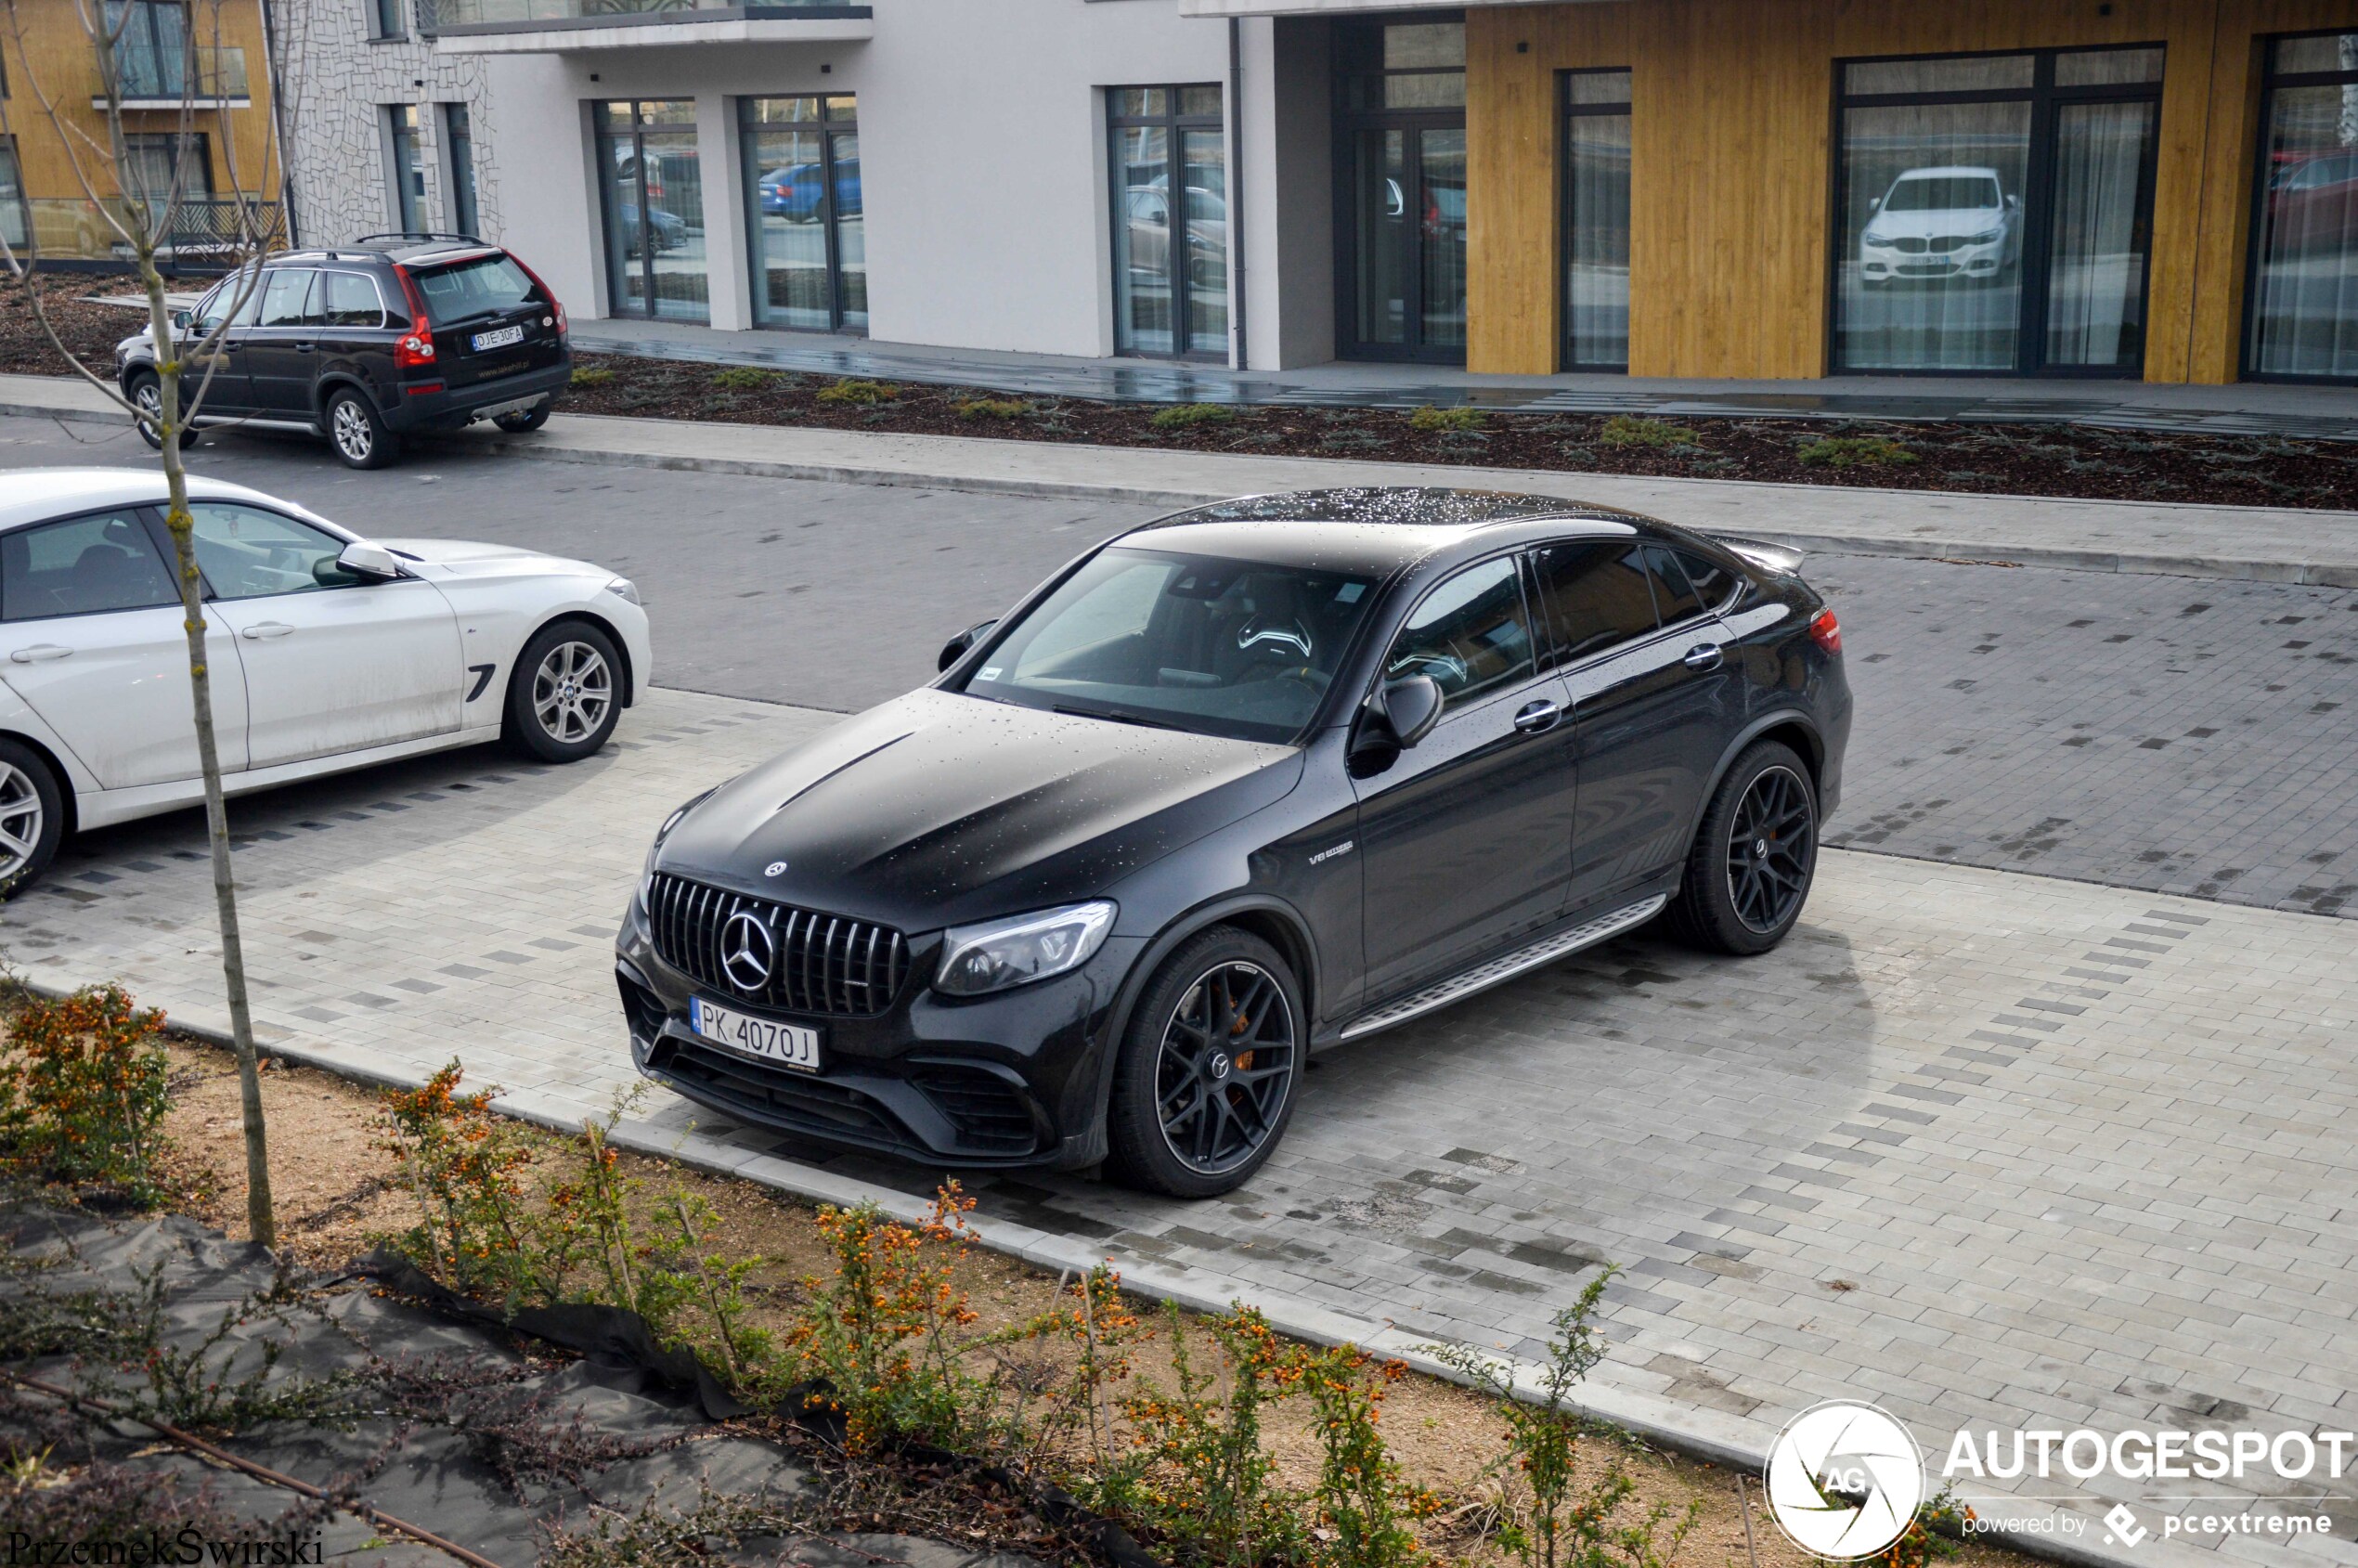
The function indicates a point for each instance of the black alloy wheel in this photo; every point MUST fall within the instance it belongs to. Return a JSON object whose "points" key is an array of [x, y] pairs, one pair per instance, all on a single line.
{"points": [[1205, 1084], [1772, 848], [1749, 871]]}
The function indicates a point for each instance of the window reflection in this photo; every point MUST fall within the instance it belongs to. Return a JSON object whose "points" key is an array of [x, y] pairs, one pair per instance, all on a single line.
{"points": [[2304, 289], [1597, 220], [1169, 158], [805, 213]]}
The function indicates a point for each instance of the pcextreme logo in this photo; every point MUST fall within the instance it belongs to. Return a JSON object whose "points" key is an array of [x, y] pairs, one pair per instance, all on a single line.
{"points": [[1844, 1480]]}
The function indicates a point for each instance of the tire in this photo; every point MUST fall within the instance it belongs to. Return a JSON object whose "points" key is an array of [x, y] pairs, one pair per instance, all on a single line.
{"points": [[530, 420], [1242, 1101], [564, 696], [32, 816], [1741, 897], [147, 395], [356, 434]]}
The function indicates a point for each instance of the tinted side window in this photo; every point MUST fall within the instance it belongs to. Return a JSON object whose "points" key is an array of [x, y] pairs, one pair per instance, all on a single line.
{"points": [[81, 565], [350, 300], [1471, 634], [1673, 597], [1596, 596], [1712, 581], [248, 553], [286, 298]]}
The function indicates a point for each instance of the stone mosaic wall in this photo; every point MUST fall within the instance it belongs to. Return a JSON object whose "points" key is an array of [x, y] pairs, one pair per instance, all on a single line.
{"points": [[336, 80]]}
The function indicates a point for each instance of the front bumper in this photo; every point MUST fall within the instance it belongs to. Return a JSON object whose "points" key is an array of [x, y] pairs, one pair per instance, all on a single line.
{"points": [[1011, 1081], [451, 409], [1877, 263]]}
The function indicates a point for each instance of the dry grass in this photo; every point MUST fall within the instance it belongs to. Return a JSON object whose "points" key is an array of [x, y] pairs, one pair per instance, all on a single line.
{"points": [[334, 1191]]}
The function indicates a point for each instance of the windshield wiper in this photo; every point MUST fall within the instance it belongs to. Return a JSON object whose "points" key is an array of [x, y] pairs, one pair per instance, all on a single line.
{"points": [[1118, 717]]}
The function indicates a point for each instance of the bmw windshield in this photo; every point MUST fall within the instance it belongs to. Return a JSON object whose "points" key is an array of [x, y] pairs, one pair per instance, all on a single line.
{"points": [[1242, 649]]}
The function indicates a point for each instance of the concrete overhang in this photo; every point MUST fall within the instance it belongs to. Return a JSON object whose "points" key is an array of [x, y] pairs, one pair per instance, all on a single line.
{"points": [[658, 30]]}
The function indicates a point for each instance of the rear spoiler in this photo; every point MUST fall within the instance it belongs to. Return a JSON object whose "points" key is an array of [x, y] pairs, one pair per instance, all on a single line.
{"points": [[1769, 557]]}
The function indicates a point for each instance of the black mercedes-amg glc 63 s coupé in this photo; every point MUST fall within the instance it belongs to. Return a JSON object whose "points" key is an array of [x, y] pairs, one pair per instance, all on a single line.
{"points": [[1232, 787]]}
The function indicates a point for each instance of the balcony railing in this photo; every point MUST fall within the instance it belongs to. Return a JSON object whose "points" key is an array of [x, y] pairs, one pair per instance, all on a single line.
{"points": [[150, 78], [444, 16], [202, 233]]}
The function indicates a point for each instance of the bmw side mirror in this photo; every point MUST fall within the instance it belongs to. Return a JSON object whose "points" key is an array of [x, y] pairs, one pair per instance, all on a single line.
{"points": [[1875, 203], [958, 646], [369, 563], [180, 319], [1413, 706]]}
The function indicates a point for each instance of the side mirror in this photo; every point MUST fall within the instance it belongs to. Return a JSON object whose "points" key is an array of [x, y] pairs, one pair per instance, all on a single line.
{"points": [[181, 319], [1414, 707], [1392, 721], [369, 563], [1875, 203], [958, 647], [2013, 202]]}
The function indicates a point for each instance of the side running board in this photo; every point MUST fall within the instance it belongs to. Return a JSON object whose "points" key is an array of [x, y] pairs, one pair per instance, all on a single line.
{"points": [[1545, 950]]}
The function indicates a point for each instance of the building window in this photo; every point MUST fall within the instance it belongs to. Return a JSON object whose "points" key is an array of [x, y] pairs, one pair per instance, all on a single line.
{"points": [[1996, 211], [804, 213], [2304, 276], [159, 167], [1170, 163], [458, 146], [150, 48], [1596, 209], [1402, 128], [385, 19], [406, 168], [12, 209], [651, 188]]}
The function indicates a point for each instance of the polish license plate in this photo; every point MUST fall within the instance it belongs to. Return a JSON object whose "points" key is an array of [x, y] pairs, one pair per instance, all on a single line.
{"points": [[500, 338], [789, 1045]]}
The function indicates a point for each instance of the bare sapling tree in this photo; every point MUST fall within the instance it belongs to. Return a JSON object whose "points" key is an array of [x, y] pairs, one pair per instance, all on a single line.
{"points": [[148, 214]]}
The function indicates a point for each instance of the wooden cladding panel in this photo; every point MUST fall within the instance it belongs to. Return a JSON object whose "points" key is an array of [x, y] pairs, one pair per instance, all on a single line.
{"points": [[1731, 202]]}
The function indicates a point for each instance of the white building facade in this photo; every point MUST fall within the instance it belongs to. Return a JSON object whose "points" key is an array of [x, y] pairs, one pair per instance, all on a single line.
{"points": [[1087, 178]]}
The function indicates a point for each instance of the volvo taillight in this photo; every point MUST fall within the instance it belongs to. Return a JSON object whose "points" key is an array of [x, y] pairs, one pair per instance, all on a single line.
{"points": [[1826, 631], [414, 350]]}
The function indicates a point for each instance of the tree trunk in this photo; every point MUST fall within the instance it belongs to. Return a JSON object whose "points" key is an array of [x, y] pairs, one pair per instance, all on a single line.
{"points": [[260, 1220]]}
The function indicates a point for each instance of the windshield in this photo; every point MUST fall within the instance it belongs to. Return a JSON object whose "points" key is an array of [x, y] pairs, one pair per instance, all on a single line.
{"points": [[1236, 648], [485, 286], [1943, 193]]}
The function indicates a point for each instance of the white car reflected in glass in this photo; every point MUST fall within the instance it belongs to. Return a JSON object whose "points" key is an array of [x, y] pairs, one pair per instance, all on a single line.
{"points": [[1952, 221]]}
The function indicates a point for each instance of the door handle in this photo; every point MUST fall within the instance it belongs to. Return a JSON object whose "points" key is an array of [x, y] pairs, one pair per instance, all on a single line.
{"points": [[304, 347], [1537, 717], [41, 653], [261, 630], [1703, 655]]}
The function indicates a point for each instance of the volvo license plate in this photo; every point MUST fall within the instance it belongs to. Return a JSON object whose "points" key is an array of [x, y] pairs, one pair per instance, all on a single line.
{"points": [[788, 1045], [500, 338]]}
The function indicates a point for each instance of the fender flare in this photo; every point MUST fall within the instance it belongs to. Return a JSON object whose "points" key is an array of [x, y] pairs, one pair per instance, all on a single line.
{"points": [[1202, 917], [1781, 718]]}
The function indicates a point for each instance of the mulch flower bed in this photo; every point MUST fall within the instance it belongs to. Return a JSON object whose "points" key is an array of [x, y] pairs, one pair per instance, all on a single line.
{"points": [[1999, 460], [2023, 459]]}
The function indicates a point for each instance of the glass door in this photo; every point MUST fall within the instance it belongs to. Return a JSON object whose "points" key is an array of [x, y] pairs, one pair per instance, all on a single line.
{"points": [[2304, 297], [1169, 162], [804, 213], [1996, 213], [1402, 110], [651, 186], [1596, 211]]}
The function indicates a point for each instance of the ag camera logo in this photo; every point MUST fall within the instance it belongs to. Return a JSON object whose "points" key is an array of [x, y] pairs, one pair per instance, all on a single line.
{"points": [[1845, 1480]]}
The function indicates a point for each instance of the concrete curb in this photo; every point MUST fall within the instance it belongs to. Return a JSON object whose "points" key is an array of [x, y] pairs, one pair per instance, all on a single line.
{"points": [[1734, 1443], [554, 448]]}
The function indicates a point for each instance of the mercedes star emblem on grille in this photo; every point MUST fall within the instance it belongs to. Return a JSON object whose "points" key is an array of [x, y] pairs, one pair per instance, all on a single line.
{"points": [[747, 950]]}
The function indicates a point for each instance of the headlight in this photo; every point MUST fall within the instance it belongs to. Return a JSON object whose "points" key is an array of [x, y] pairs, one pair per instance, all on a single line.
{"points": [[999, 953], [624, 588], [1988, 237]]}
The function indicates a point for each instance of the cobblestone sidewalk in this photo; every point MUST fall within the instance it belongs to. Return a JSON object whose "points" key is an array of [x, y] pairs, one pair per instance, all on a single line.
{"points": [[1988, 1148]]}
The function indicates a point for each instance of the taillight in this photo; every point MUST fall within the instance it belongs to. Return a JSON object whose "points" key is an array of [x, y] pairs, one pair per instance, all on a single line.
{"points": [[1826, 631], [415, 349], [556, 306]]}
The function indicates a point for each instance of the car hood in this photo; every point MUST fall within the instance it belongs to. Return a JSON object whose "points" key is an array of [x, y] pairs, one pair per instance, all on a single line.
{"points": [[1938, 220], [466, 558], [937, 809]]}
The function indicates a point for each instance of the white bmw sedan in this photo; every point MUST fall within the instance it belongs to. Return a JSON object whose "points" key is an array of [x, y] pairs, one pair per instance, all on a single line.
{"points": [[327, 651]]}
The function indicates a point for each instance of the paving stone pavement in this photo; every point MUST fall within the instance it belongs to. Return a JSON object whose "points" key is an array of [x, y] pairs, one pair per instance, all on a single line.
{"points": [[1992, 1149]]}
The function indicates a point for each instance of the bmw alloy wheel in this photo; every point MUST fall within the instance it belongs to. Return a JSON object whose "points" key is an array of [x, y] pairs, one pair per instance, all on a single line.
{"points": [[1226, 1067], [21, 819], [571, 692], [1772, 848], [349, 428]]}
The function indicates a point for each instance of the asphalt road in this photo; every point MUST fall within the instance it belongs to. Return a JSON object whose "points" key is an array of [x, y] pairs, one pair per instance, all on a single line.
{"points": [[2180, 734]]}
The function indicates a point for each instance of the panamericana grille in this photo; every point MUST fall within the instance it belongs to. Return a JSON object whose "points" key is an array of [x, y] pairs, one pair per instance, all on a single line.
{"points": [[814, 963]]}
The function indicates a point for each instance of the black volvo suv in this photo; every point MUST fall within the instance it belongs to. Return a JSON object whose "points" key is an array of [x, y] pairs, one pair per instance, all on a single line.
{"points": [[369, 341], [1237, 785]]}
